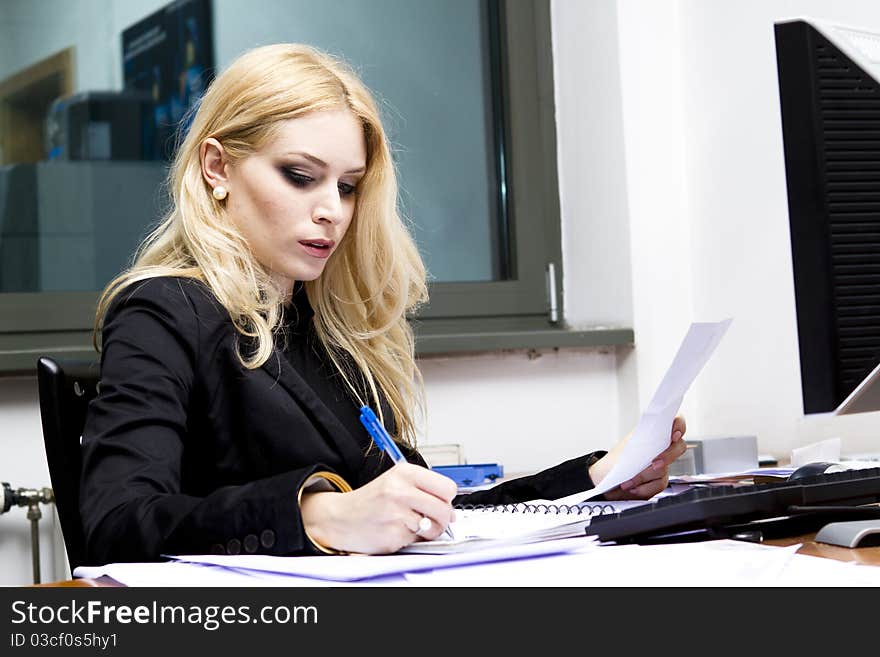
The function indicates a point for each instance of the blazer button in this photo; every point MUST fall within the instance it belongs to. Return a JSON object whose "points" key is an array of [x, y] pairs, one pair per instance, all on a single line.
{"points": [[233, 546], [251, 543], [267, 538], [217, 548]]}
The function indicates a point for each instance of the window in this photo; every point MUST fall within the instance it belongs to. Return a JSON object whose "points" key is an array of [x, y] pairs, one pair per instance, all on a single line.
{"points": [[467, 94]]}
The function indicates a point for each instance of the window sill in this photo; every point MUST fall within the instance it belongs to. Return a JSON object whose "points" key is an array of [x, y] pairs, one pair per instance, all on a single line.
{"points": [[435, 337], [19, 353]]}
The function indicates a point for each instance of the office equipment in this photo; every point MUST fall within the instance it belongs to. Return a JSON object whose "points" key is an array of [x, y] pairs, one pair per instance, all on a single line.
{"points": [[684, 465], [19, 229], [829, 87], [854, 533], [722, 454], [91, 216], [815, 468], [443, 454], [65, 390], [467, 476], [98, 125], [761, 510], [829, 92]]}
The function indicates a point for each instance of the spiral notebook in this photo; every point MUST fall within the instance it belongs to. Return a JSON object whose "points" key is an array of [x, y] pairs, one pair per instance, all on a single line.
{"points": [[478, 526]]}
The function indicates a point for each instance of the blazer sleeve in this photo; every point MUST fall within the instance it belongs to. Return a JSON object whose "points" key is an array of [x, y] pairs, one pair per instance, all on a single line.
{"points": [[131, 499], [561, 480]]}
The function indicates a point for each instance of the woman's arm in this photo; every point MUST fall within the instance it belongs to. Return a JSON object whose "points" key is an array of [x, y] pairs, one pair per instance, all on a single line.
{"points": [[583, 473], [139, 435]]}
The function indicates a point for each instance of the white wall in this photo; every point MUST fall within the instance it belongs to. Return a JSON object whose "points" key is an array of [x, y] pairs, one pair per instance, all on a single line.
{"points": [[738, 213], [707, 208], [674, 209]]}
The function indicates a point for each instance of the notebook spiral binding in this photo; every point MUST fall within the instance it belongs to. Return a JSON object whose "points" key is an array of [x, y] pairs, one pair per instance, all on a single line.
{"points": [[522, 507]]}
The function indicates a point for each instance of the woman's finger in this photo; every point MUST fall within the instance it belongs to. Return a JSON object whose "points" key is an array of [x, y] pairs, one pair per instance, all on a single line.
{"points": [[645, 476], [650, 488], [438, 512], [433, 483], [679, 427], [668, 455]]}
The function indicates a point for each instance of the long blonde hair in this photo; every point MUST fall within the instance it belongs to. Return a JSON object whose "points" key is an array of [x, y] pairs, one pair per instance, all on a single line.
{"points": [[369, 284]]}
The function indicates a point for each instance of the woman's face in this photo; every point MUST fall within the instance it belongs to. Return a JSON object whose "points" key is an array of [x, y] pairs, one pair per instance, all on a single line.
{"points": [[294, 200]]}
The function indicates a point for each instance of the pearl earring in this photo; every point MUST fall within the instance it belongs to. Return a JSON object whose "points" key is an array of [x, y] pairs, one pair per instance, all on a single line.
{"points": [[219, 192]]}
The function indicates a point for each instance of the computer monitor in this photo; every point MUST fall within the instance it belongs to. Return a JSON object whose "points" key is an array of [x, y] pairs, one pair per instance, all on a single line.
{"points": [[829, 89]]}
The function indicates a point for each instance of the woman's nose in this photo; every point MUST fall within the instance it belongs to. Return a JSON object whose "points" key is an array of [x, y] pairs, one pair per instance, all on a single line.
{"points": [[329, 206]]}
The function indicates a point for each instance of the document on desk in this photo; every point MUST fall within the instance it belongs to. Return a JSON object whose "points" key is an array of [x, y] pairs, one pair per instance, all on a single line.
{"points": [[652, 433], [700, 564], [540, 520], [354, 567]]}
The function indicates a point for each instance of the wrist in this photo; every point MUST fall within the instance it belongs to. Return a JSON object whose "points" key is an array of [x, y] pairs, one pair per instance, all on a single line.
{"points": [[317, 513], [597, 467], [316, 509]]}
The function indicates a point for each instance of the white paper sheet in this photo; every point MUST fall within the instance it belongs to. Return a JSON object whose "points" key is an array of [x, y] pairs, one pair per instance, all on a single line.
{"points": [[652, 433], [824, 450], [362, 567], [723, 563], [806, 570], [584, 563], [173, 574]]}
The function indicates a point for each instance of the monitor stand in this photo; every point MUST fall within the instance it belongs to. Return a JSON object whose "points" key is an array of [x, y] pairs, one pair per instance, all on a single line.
{"points": [[865, 398], [851, 533]]}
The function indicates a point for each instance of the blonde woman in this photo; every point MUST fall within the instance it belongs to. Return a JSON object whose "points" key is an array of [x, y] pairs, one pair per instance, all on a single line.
{"points": [[262, 313]]}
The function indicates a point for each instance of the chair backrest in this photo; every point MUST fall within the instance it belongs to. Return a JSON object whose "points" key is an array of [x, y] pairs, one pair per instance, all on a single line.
{"points": [[66, 387]]}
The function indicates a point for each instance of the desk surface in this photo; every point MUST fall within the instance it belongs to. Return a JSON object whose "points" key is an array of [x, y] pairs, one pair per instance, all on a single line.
{"points": [[865, 555], [869, 556]]}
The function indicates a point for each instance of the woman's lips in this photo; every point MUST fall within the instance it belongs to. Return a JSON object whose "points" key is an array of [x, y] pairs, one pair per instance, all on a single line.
{"points": [[317, 248]]}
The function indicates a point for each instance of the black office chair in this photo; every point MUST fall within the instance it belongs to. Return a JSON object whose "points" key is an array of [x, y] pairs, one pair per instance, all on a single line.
{"points": [[66, 388]]}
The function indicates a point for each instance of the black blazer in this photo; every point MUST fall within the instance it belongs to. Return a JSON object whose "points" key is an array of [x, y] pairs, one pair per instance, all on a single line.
{"points": [[187, 451]]}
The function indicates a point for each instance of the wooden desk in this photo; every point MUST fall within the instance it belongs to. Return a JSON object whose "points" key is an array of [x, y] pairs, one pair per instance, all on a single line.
{"points": [[100, 582], [864, 555]]}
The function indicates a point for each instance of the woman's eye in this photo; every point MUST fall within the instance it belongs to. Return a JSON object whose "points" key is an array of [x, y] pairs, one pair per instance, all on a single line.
{"points": [[346, 190], [297, 178]]}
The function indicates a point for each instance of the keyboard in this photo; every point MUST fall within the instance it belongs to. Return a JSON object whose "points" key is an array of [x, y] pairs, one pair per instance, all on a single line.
{"points": [[752, 512]]}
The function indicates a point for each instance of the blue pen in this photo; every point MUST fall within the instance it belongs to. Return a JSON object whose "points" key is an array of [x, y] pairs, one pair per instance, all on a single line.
{"points": [[381, 437]]}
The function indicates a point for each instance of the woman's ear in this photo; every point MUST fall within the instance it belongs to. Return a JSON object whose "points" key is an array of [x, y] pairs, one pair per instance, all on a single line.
{"points": [[214, 163]]}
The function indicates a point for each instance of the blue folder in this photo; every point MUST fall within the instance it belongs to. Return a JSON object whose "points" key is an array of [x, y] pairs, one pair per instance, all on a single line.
{"points": [[476, 474]]}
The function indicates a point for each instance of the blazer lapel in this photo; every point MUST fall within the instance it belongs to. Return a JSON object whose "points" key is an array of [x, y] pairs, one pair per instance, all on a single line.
{"points": [[325, 421]]}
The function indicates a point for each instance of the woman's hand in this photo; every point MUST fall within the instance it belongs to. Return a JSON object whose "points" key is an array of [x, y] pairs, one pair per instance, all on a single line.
{"points": [[649, 481], [383, 515]]}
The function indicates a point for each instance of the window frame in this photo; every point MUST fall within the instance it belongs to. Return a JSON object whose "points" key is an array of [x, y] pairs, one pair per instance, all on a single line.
{"points": [[460, 316], [516, 313], [526, 150]]}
